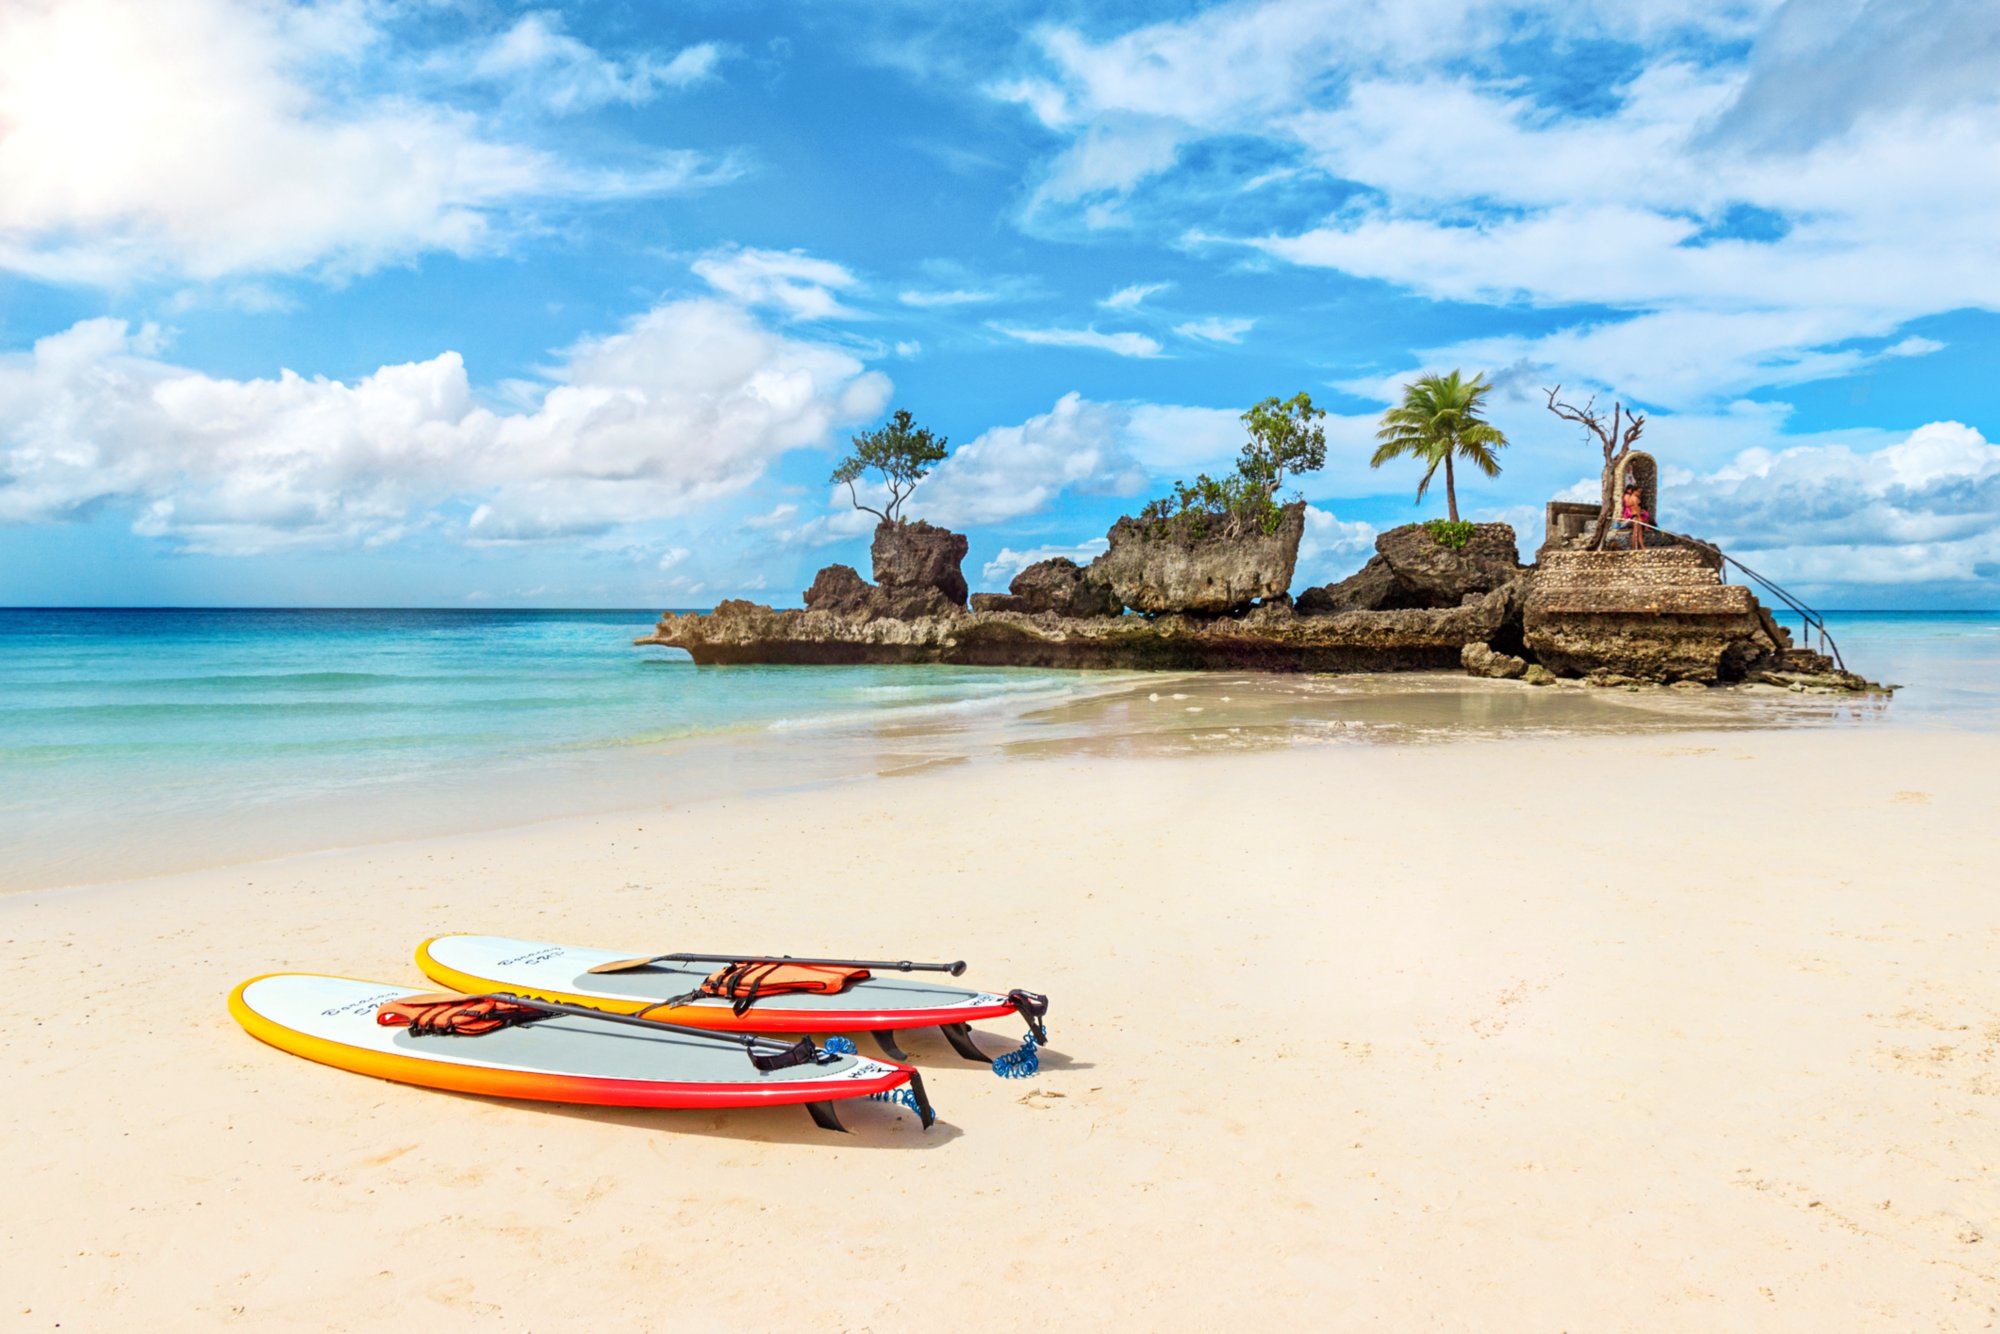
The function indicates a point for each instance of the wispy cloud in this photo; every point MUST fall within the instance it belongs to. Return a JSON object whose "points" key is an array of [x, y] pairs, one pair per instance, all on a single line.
{"points": [[1216, 329], [955, 297], [1793, 179], [538, 58], [1123, 344], [1125, 298], [790, 280]]}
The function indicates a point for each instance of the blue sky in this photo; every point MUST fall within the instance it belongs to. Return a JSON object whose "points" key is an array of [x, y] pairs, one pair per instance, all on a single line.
{"points": [[468, 303]]}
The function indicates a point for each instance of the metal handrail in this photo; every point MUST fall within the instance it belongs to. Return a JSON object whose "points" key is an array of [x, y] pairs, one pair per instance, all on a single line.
{"points": [[1808, 618]]}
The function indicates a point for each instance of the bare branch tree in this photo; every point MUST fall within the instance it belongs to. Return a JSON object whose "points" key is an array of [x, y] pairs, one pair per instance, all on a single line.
{"points": [[1616, 436]]}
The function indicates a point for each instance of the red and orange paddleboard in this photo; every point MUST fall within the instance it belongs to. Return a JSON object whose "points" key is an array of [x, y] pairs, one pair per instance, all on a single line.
{"points": [[665, 988]]}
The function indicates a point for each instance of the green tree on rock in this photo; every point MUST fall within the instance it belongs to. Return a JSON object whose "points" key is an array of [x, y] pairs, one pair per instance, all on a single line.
{"points": [[1437, 422], [1285, 438], [902, 452]]}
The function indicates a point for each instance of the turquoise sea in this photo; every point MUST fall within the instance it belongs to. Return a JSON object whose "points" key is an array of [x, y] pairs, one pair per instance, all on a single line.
{"points": [[146, 740]]}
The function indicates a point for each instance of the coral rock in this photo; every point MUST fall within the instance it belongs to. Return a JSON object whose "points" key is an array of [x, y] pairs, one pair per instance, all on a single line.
{"points": [[1482, 660], [1062, 586], [1199, 576], [919, 555]]}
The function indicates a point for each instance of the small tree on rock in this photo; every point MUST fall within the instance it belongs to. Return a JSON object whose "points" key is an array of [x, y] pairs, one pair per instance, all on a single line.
{"points": [[902, 452], [1285, 438]]}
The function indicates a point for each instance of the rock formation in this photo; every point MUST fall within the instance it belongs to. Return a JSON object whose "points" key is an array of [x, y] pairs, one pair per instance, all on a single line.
{"points": [[1482, 660], [1411, 568], [838, 591], [1271, 637], [1612, 617], [917, 555], [1171, 573], [1057, 585]]}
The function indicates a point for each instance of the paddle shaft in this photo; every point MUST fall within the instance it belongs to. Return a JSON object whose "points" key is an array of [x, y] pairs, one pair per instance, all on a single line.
{"points": [[745, 1041], [894, 965]]}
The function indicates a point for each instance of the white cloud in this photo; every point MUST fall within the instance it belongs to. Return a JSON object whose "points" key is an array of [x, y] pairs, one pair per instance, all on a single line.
{"points": [[538, 58], [1331, 548], [1125, 298], [686, 404], [1124, 344], [1000, 571], [775, 517], [842, 523], [1171, 439], [790, 280], [1216, 329], [954, 297], [1747, 220], [1010, 471], [190, 138], [1937, 488]]}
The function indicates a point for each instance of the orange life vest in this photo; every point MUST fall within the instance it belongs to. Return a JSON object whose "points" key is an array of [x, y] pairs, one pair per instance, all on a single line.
{"points": [[448, 1012], [745, 983]]}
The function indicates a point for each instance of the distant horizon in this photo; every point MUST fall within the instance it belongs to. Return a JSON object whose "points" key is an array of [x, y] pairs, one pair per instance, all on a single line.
{"points": [[1781, 613]]}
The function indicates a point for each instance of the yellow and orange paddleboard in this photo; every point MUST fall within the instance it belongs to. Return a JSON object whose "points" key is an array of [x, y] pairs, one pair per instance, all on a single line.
{"points": [[558, 1058]]}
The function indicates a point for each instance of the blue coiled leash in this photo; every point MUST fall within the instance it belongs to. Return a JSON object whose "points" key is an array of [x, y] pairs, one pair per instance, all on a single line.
{"points": [[901, 1097], [1020, 1063]]}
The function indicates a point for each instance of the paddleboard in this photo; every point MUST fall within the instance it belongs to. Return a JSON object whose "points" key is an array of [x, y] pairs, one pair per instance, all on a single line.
{"points": [[561, 1058], [882, 1004]]}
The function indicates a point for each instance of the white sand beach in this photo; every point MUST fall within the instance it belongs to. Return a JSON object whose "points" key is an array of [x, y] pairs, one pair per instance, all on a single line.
{"points": [[1647, 1032]]}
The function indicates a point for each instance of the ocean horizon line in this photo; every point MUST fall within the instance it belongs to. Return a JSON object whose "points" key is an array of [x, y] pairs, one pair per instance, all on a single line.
{"points": [[653, 610]]}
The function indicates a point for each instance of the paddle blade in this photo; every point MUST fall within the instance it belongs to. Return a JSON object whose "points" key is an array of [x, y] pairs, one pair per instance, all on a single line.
{"points": [[621, 965]]}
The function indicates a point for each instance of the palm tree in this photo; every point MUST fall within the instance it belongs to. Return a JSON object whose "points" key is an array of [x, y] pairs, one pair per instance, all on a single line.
{"points": [[1438, 420]]}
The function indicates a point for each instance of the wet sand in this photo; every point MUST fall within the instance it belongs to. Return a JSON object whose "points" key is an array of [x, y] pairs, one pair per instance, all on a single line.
{"points": [[1090, 713]]}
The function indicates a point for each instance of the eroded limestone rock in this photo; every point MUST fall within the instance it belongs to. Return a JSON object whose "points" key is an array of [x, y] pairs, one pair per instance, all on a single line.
{"points": [[1271, 637], [1482, 660], [1058, 586], [1199, 576], [838, 591], [919, 555], [1371, 588], [1410, 568]]}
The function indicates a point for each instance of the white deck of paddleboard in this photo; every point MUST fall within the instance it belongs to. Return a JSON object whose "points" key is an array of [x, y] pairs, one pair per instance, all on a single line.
{"points": [[537, 965], [342, 1010]]}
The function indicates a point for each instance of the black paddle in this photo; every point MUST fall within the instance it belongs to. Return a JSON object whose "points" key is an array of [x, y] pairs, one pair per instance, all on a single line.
{"points": [[777, 1055], [887, 965]]}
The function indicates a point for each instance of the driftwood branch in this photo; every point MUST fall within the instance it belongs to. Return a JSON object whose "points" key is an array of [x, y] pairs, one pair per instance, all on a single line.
{"points": [[1617, 437]]}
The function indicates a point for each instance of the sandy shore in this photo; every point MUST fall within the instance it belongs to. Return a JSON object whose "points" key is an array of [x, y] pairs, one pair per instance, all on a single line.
{"points": [[1691, 1032]]}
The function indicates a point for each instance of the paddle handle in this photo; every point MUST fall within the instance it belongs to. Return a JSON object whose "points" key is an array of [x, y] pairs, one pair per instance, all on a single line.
{"points": [[890, 965]]}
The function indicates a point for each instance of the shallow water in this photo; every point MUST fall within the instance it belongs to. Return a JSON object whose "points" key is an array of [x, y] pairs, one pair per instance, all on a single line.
{"points": [[138, 742]]}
